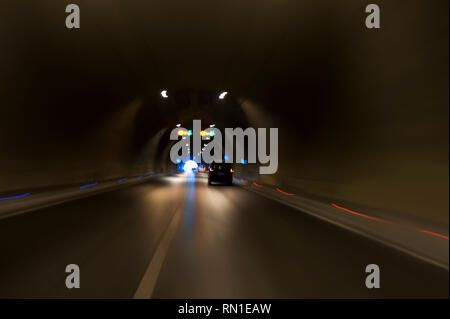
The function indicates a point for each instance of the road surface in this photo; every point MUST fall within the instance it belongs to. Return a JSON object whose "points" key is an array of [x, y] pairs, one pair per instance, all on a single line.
{"points": [[177, 237]]}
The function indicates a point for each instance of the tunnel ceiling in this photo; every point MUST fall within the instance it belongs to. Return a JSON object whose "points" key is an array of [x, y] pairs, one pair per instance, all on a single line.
{"points": [[134, 48], [308, 62], [127, 51]]}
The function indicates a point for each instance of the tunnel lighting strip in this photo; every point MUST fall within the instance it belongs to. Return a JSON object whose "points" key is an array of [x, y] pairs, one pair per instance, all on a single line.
{"points": [[434, 234], [257, 185], [359, 214], [89, 185], [123, 179], [386, 221], [18, 196], [289, 194]]}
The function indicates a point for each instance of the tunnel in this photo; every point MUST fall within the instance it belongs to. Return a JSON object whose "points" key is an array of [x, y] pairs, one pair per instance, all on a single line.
{"points": [[362, 114]]}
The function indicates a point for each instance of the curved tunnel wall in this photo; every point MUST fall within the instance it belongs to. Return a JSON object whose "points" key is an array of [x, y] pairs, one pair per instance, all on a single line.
{"points": [[362, 115], [370, 125]]}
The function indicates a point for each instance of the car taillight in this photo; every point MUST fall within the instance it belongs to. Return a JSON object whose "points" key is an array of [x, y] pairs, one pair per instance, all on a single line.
{"points": [[231, 170], [211, 170]]}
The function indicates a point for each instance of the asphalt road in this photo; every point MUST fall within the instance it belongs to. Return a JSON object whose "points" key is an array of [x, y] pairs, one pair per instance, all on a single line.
{"points": [[177, 237]]}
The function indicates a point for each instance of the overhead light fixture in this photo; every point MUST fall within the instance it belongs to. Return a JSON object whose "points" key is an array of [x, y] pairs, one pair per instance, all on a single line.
{"points": [[212, 125], [178, 125], [222, 95], [164, 94]]}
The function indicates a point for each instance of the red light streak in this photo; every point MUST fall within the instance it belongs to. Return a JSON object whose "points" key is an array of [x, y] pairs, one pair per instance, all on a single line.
{"points": [[434, 234], [289, 194], [359, 214]]}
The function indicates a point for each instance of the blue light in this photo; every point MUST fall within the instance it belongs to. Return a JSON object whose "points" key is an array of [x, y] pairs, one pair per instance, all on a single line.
{"points": [[89, 185], [226, 157], [140, 176], [243, 161], [189, 166], [123, 179], [15, 196]]}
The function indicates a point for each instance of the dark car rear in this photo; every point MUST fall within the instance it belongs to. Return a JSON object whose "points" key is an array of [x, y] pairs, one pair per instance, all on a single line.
{"points": [[220, 173]]}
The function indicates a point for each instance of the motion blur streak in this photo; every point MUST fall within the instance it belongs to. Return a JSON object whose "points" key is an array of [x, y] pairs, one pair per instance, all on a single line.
{"points": [[362, 215], [435, 234], [257, 185], [89, 185], [289, 194], [15, 196], [384, 221]]}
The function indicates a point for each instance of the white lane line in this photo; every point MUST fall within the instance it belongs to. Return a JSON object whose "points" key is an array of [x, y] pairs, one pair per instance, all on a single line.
{"points": [[148, 281]]}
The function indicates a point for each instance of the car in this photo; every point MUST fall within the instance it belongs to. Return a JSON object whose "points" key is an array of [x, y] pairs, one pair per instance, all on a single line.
{"points": [[220, 173]]}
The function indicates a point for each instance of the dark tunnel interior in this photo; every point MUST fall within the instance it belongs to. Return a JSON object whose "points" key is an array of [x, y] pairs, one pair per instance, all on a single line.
{"points": [[362, 116], [88, 182]]}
